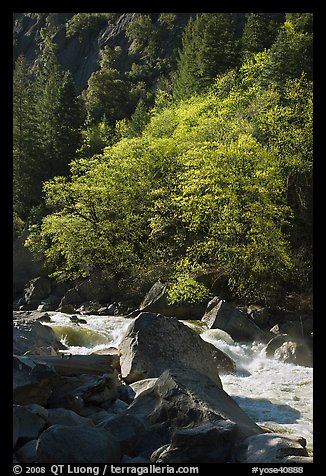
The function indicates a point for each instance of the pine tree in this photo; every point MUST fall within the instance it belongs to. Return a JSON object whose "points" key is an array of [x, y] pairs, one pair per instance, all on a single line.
{"points": [[218, 46], [209, 48], [59, 114], [188, 77], [291, 54], [25, 190], [259, 33]]}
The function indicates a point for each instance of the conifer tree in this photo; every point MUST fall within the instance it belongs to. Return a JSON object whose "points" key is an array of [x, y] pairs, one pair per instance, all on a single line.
{"points": [[59, 114], [259, 33], [291, 53], [24, 139], [209, 48]]}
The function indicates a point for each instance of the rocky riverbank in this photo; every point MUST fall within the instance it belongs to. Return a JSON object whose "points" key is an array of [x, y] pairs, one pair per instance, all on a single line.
{"points": [[157, 398]]}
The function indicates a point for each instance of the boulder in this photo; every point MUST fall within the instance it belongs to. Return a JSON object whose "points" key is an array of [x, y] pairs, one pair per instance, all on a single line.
{"points": [[76, 392], [206, 443], [269, 448], [260, 315], [154, 343], [71, 297], [34, 335], [98, 287], [294, 352], [30, 424], [62, 444], [63, 416], [89, 307], [15, 429], [286, 348], [27, 453], [51, 303], [188, 399], [37, 289], [224, 315], [32, 382], [156, 301], [127, 430], [142, 385], [24, 266]]}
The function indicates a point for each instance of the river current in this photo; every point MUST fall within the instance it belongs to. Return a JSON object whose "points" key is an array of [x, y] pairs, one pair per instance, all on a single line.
{"points": [[276, 395]]}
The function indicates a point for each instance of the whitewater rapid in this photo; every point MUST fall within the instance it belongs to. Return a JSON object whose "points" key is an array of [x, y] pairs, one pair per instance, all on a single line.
{"points": [[276, 395]]}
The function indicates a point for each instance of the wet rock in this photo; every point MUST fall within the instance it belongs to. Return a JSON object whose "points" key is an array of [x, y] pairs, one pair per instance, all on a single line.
{"points": [[287, 349], [269, 448], [224, 315], [77, 444], [154, 343], [207, 443], [34, 335], [44, 317], [294, 352], [66, 308], [89, 307]]}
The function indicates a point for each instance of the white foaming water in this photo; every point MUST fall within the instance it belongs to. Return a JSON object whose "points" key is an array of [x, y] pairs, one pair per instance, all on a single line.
{"points": [[276, 395]]}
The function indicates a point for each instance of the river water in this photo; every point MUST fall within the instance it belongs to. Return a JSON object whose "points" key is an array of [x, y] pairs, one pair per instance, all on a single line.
{"points": [[276, 395]]}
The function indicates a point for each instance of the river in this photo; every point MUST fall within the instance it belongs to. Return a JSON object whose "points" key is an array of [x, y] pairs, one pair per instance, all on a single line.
{"points": [[276, 395]]}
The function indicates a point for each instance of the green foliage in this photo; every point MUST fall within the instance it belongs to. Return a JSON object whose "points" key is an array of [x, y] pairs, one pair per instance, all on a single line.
{"points": [[82, 22], [24, 139], [205, 186], [291, 53], [209, 48], [219, 182], [259, 33]]}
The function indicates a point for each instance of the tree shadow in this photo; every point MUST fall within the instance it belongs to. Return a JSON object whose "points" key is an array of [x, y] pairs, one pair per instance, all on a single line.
{"points": [[261, 409]]}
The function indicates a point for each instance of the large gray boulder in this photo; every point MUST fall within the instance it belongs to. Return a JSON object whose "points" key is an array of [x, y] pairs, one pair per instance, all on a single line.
{"points": [[34, 337], [32, 382], [127, 430], [290, 350], [156, 301], [154, 343], [207, 443], [37, 289], [270, 448], [77, 444], [30, 424], [24, 266], [183, 399], [224, 315]]}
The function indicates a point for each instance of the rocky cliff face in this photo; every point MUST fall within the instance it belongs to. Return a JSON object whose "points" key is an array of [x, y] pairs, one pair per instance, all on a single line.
{"points": [[80, 53]]}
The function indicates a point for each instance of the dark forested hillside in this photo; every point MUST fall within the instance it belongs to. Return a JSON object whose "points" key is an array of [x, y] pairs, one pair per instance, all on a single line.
{"points": [[171, 145]]}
